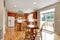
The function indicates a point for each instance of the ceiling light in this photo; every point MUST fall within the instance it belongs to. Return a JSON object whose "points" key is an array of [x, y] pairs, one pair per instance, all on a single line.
{"points": [[14, 5], [34, 3]]}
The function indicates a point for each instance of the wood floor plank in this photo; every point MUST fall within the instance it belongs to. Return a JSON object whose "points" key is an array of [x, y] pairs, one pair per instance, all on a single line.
{"points": [[12, 34]]}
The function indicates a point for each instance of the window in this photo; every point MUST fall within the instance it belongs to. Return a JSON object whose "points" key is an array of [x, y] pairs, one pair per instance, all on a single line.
{"points": [[47, 17], [47, 20]]}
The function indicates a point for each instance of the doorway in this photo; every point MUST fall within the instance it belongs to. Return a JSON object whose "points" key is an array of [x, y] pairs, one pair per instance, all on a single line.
{"points": [[47, 18]]}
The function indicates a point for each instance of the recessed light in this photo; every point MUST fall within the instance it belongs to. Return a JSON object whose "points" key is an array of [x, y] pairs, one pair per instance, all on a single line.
{"points": [[14, 5], [34, 3]]}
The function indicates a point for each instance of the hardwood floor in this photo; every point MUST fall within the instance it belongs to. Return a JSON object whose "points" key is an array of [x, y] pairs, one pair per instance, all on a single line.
{"points": [[12, 34]]}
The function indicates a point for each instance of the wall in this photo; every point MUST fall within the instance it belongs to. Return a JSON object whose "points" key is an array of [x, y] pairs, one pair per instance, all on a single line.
{"points": [[57, 21], [38, 18], [57, 18], [2, 18]]}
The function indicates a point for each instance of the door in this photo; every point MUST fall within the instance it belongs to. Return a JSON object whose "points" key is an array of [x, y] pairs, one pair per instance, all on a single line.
{"points": [[47, 18]]}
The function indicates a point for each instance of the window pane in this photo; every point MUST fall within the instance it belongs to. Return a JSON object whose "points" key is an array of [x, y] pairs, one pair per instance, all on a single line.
{"points": [[49, 16], [42, 17]]}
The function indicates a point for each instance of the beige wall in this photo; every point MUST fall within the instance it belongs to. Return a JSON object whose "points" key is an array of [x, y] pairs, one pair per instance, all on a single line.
{"points": [[1, 14], [38, 16], [57, 18], [57, 21], [2, 17]]}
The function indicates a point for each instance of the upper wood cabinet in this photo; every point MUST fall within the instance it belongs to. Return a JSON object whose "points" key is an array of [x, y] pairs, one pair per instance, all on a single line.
{"points": [[24, 16], [35, 15]]}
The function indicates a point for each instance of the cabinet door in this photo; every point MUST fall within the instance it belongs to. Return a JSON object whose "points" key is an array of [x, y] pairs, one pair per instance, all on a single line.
{"points": [[35, 15]]}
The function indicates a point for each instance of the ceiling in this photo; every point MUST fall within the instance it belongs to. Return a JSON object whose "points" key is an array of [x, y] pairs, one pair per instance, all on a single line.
{"points": [[27, 5]]}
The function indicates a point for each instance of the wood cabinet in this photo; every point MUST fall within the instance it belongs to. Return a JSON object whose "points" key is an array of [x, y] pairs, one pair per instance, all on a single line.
{"points": [[20, 26]]}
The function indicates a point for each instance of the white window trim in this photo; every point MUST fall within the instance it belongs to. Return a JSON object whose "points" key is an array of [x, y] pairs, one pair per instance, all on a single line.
{"points": [[46, 11]]}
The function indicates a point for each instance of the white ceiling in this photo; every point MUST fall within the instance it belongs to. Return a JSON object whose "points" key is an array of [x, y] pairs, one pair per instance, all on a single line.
{"points": [[27, 5]]}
